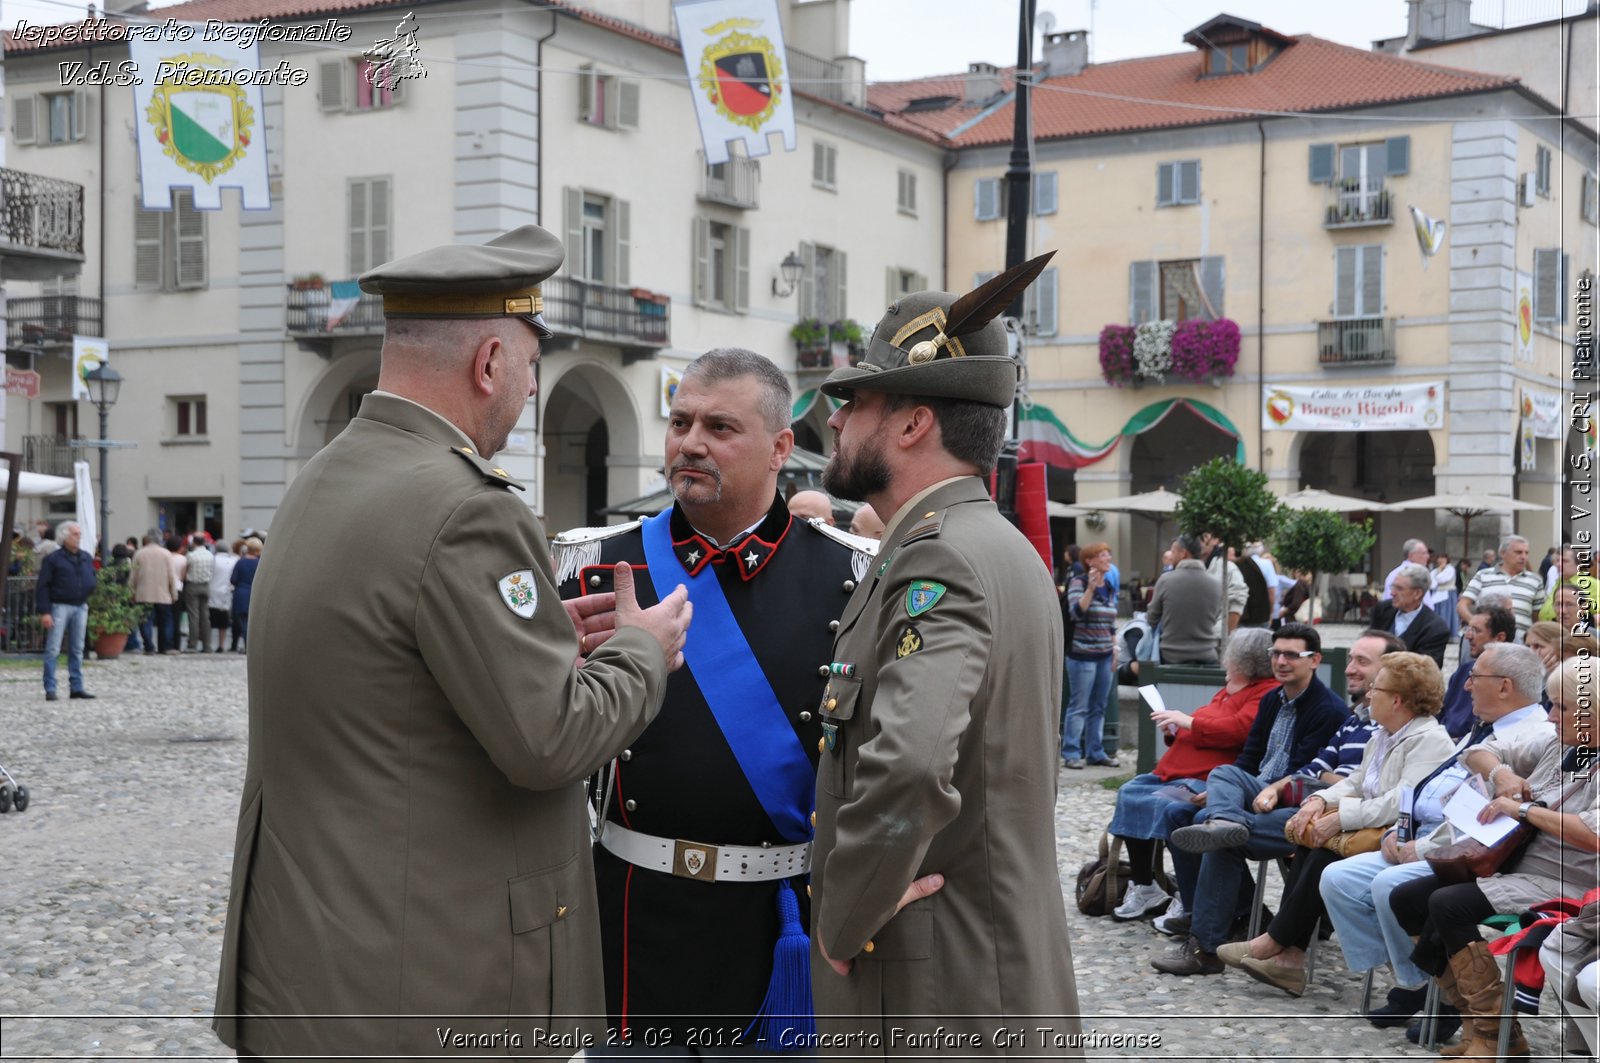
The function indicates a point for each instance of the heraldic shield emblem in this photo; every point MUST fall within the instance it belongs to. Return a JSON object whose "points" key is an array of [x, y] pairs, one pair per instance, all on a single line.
{"points": [[520, 593], [204, 128], [694, 860], [741, 75]]}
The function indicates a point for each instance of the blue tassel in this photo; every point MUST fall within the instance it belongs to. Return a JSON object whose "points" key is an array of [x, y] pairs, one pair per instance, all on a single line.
{"points": [[786, 1022]]}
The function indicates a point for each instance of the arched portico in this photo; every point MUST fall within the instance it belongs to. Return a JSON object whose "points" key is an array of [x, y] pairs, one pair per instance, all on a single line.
{"points": [[588, 415]]}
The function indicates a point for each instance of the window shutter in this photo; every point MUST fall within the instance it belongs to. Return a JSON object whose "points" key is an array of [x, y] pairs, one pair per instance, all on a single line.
{"points": [[1542, 169], [24, 120], [586, 94], [1399, 155], [190, 225], [627, 104], [1562, 282], [701, 245], [1142, 292], [1164, 183], [741, 285], [331, 84], [378, 222], [1372, 280], [572, 226], [619, 230], [919, 282], [147, 257], [832, 157], [1044, 295], [1189, 181], [987, 192], [80, 114], [818, 168], [356, 218], [1044, 193], [891, 284], [1346, 263], [839, 311], [1546, 284], [1211, 282], [1321, 164], [808, 280]]}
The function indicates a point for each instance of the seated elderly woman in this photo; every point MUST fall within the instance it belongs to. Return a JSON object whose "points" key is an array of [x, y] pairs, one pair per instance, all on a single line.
{"points": [[1212, 736], [1410, 742], [1356, 890], [1559, 861]]}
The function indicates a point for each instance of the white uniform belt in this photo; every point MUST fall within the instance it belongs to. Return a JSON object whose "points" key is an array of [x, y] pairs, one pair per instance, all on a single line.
{"points": [[704, 862]]}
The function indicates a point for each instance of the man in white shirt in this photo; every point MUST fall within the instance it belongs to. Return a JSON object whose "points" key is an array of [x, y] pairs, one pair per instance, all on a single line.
{"points": [[1416, 553], [221, 603]]}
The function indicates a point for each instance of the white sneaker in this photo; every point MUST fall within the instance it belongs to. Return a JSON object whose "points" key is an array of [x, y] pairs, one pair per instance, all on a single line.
{"points": [[1175, 914], [1139, 901]]}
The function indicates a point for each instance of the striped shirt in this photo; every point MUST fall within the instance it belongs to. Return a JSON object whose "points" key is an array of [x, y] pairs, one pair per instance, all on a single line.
{"points": [[1526, 589], [1344, 750], [1094, 634]]}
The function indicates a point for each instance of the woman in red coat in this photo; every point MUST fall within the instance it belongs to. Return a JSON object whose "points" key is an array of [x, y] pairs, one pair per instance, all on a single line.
{"points": [[1211, 737]]}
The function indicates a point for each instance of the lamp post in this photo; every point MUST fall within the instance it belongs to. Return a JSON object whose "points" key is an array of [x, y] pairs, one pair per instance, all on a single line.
{"points": [[105, 384], [790, 268]]}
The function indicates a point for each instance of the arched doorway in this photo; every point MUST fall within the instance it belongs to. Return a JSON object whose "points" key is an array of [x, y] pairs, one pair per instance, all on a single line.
{"points": [[333, 399], [1160, 457], [590, 432], [1383, 466]]}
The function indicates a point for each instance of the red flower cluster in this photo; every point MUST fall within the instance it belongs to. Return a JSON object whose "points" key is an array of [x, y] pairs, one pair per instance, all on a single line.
{"points": [[1201, 350]]}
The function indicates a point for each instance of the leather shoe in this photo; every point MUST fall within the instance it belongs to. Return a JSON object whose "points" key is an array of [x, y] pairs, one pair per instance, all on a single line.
{"points": [[1291, 980], [1210, 836], [1188, 958], [1444, 1029], [1233, 953], [1402, 1004], [50, 695], [81, 695]]}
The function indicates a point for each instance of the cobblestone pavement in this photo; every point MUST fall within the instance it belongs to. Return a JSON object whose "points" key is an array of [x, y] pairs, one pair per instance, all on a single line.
{"points": [[115, 881]]}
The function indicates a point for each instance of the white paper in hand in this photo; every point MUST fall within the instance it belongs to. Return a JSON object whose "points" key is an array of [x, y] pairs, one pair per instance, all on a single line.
{"points": [[1152, 695], [1462, 811]]}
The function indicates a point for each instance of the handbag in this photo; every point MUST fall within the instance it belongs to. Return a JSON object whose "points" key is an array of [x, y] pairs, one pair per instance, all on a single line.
{"points": [[1103, 881], [1345, 843], [1468, 859]]}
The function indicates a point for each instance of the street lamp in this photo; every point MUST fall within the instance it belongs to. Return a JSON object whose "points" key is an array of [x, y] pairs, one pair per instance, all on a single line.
{"points": [[105, 384], [790, 268]]}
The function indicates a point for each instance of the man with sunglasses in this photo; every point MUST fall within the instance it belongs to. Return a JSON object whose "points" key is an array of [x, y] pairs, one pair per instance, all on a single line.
{"points": [[1291, 726]]}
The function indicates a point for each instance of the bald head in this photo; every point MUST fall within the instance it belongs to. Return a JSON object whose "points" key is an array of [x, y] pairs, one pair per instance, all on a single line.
{"points": [[476, 373], [812, 504], [866, 523]]}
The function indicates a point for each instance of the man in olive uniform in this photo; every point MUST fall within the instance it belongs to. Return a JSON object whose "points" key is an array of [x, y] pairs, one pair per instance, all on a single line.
{"points": [[412, 855], [708, 824], [940, 717]]}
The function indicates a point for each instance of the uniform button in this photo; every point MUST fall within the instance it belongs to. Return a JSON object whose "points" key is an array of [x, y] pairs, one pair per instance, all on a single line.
{"points": [[627, 754], [766, 845], [823, 671], [808, 889], [868, 947], [833, 625], [630, 804], [805, 717], [813, 819], [561, 911], [822, 744], [594, 581], [833, 703], [849, 585]]}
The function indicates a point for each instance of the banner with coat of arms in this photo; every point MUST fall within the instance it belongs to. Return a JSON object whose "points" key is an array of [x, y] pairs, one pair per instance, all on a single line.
{"points": [[1524, 322], [733, 50], [1358, 409], [200, 123]]}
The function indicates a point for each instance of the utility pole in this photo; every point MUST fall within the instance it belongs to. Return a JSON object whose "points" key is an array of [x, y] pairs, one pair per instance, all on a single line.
{"points": [[1019, 178]]}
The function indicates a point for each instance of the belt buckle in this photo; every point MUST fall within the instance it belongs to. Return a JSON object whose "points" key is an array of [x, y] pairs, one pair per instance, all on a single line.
{"points": [[695, 860]]}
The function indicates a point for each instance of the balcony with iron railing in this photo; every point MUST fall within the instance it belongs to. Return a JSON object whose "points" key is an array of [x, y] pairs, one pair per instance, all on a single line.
{"points": [[735, 183], [50, 455], [1356, 341], [816, 76], [638, 321], [1353, 203], [46, 321], [41, 218]]}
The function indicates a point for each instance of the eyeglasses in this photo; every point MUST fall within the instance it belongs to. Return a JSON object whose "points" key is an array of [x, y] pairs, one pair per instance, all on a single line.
{"points": [[1290, 655], [1484, 675], [1392, 693]]}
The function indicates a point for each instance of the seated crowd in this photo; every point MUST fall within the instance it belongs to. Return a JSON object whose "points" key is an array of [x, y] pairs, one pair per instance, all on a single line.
{"points": [[1350, 799]]}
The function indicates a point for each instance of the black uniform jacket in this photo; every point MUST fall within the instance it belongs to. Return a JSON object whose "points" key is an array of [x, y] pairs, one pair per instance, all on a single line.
{"points": [[672, 945]]}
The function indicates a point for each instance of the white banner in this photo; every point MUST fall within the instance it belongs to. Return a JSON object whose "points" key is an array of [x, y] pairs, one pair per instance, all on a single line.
{"points": [[1542, 411], [88, 352], [1524, 323], [733, 51], [198, 111], [1396, 406]]}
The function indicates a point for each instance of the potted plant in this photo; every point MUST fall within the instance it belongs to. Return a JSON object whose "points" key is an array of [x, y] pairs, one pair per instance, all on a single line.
{"points": [[307, 282], [1116, 355], [1205, 350], [810, 341], [1152, 349], [112, 612]]}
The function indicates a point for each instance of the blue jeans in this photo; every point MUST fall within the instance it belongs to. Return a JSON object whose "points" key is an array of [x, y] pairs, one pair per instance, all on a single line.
{"points": [[166, 626], [1217, 886], [1086, 709], [1356, 891], [66, 622]]}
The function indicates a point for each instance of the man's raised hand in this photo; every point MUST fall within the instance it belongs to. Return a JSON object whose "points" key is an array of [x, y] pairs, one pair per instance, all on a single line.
{"points": [[667, 621]]}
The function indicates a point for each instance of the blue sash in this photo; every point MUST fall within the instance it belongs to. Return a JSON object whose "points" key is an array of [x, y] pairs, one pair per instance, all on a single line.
{"points": [[736, 689]]}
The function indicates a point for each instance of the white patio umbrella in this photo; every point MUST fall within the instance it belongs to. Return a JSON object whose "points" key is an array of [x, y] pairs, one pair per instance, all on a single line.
{"points": [[1316, 498], [1159, 501], [1061, 509], [1467, 504]]}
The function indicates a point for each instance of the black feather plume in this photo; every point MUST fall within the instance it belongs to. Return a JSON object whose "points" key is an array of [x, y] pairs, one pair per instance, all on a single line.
{"points": [[989, 300]]}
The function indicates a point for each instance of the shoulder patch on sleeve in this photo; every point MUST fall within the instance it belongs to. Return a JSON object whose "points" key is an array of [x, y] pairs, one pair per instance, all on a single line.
{"points": [[577, 548], [487, 469], [862, 549]]}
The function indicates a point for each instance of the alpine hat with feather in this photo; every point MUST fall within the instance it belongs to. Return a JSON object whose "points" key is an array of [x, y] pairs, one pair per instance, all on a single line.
{"points": [[940, 345]]}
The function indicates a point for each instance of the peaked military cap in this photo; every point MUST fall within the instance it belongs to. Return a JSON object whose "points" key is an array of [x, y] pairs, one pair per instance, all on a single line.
{"points": [[942, 345], [498, 279]]}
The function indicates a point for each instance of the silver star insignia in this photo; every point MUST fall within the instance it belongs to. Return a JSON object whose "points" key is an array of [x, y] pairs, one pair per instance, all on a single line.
{"points": [[751, 558], [692, 556]]}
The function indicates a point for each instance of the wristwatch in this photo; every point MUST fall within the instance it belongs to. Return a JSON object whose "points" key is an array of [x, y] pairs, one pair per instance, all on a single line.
{"points": [[1522, 810]]}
